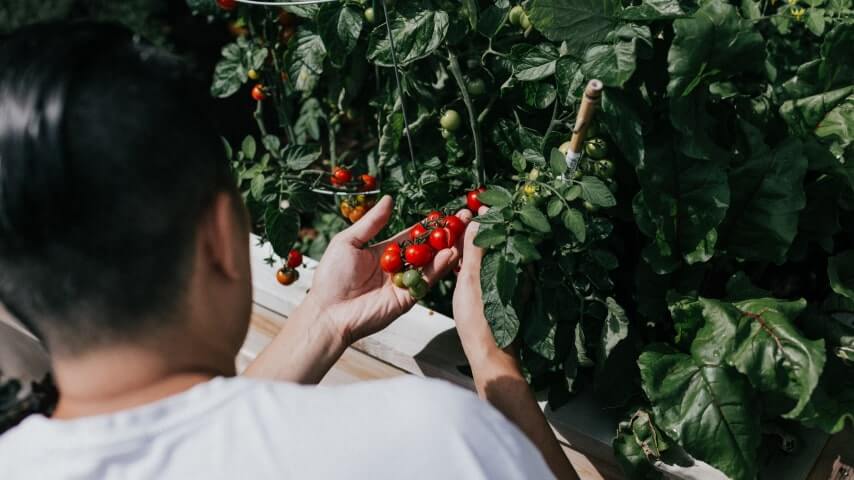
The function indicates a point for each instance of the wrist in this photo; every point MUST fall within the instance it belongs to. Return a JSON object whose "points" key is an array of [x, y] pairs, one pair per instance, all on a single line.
{"points": [[321, 321]]}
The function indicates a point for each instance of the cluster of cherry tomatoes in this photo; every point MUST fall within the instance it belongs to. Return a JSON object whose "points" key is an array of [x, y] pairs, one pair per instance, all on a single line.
{"points": [[404, 260], [288, 274], [354, 207]]}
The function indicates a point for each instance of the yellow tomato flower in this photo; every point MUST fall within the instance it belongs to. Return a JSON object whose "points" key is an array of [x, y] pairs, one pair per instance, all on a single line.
{"points": [[798, 13]]}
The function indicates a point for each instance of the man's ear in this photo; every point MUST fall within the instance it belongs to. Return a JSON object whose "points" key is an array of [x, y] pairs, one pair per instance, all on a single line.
{"points": [[219, 233]]}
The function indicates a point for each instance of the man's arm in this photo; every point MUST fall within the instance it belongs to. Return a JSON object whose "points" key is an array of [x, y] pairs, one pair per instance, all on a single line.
{"points": [[350, 298], [496, 373]]}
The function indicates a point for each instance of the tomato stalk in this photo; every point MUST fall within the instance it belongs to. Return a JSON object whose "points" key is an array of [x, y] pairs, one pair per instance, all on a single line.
{"points": [[457, 72], [258, 115]]}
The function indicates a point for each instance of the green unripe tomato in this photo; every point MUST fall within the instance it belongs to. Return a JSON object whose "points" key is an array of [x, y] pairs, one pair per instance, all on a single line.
{"points": [[446, 134], [450, 120], [369, 15], [516, 14], [477, 87], [419, 290], [412, 278], [605, 168], [596, 148], [252, 74], [524, 21], [397, 280], [590, 207]]}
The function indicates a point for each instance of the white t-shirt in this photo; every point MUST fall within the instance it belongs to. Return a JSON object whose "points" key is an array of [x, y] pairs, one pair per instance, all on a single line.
{"points": [[405, 428]]}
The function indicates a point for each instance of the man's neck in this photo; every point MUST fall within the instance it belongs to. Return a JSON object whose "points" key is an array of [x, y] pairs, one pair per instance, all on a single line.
{"points": [[121, 378]]}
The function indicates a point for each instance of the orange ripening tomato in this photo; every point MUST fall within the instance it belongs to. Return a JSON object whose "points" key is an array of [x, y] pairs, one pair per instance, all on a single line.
{"points": [[258, 92]]}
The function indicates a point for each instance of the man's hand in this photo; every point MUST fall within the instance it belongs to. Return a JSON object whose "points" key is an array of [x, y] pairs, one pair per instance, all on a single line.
{"points": [[350, 288]]}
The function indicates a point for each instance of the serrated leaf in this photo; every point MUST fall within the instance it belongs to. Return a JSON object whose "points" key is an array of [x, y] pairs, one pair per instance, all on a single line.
{"points": [[578, 22], [248, 147], [555, 207], [493, 216], [416, 32], [614, 64], [272, 144], [300, 157], [304, 58], [534, 218], [596, 192], [533, 62], [339, 26], [522, 247], [574, 222], [539, 95], [709, 409], [281, 227], [491, 20], [489, 237], [498, 284], [557, 162], [256, 187], [495, 197]]}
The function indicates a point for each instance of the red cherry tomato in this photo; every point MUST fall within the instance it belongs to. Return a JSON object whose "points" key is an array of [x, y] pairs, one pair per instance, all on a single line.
{"points": [[340, 176], [472, 201], [287, 276], [393, 248], [455, 225], [433, 216], [419, 255], [417, 231], [390, 262], [442, 238], [258, 92], [227, 5], [294, 259], [369, 182]]}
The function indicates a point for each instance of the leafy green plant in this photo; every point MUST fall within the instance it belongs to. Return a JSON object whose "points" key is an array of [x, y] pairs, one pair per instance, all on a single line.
{"points": [[697, 271]]}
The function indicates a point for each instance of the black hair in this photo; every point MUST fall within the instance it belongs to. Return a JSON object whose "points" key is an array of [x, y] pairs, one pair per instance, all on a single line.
{"points": [[107, 162]]}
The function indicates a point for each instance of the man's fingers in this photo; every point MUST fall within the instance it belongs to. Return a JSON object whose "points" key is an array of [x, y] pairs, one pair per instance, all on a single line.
{"points": [[472, 254], [369, 225], [442, 263]]}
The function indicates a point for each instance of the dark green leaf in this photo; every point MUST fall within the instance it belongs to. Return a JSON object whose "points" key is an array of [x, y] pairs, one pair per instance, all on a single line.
{"points": [[534, 218], [574, 222], [417, 33], [555, 207], [498, 283], [840, 271], [304, 59], [614, 64], [281, 227], [299, 157], [596, 192], [490, 236], [651, 10], [495, 197], [539, 95], [248, 147], [709, 409], [557, 162], [533, 62], [339, 26], [494, 215], [491, 20], [578, 22], [624, 123], [522, 247]]}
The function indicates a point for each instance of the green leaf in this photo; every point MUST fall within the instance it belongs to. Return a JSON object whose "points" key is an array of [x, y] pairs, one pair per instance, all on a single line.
{"points": [[300, 157], [555, 207], [522, 247], [682, 201], [840, 271], [596, 192], [739, 287], [256, 187], [651, 10], [557, 162], [491, 20], [577, 22], [705, 45], [767, 198], [339, 26], [539, 95], [533, 62], [759, 339], [614, 64], [498, 283], [574, 222], [623, 121], [534, 218], [272, 144], [304, 60], [281, 227], [493, 216], [569, 79], [416, 32], [495, 197], [708, 409], [248, 147], [490, 237]]}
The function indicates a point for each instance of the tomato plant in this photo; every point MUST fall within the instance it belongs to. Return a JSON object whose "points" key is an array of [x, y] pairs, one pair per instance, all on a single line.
{"points": [[706, 234]]}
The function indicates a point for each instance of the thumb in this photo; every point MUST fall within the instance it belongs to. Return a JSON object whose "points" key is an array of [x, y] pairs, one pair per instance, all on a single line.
{"points": [[369, 225], [472, 254]]}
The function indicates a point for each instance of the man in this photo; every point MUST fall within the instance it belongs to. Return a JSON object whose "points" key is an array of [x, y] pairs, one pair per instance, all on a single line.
{"points": [[123, 246]]}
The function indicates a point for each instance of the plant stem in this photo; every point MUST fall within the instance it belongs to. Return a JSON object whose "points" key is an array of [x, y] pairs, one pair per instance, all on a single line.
{"points": [[457, 72], [284, 118], [553, 122], [259, 118]]}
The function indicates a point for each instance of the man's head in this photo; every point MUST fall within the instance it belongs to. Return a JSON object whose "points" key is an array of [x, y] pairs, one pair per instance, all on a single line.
{"points": [[119, 221]]}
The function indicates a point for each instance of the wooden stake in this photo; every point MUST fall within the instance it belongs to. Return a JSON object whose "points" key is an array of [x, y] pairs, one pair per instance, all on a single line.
{"points": [[592, 95]]}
